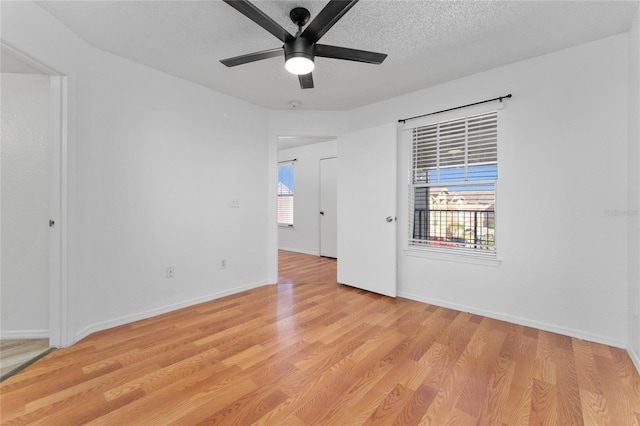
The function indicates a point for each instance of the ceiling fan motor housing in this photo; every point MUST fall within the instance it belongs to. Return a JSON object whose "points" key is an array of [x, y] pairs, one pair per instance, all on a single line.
{"points": [[298, 47]]}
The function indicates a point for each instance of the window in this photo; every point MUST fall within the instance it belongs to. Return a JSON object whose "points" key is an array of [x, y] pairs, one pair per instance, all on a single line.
{"points": [[454, 170], [285, 194]]}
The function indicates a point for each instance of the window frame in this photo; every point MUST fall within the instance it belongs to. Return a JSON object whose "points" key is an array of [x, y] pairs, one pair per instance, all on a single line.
{"points": [[291, 195], [462, 254]]}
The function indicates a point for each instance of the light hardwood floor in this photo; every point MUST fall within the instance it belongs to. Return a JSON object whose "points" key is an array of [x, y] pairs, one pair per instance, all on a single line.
{"points": [[310, 351]]}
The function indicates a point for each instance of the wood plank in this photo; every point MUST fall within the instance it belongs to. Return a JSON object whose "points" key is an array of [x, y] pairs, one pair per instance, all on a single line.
{"points": [[544, 407]]}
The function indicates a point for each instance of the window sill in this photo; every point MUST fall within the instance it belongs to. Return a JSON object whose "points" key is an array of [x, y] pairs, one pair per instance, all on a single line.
{"points": [[286, 226], [449, 256]]}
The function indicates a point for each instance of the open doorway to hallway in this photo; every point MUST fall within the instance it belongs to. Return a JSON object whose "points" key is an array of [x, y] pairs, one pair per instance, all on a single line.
{"points": [[307, 195]]}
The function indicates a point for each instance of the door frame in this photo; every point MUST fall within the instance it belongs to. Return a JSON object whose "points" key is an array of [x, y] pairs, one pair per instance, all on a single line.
{"points": [[58, 196], [58, 307]]}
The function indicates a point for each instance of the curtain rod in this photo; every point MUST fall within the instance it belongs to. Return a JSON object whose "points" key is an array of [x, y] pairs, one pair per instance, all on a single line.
{"points": [[500, 98], [288, 161]]}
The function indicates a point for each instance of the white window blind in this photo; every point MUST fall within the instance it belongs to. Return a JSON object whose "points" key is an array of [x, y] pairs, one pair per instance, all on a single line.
{"points": [[285, 193], [454, 169]]}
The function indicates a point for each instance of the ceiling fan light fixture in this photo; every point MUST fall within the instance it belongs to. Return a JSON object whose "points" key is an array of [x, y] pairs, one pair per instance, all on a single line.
{"points": [[299, 65], [298, 55]]}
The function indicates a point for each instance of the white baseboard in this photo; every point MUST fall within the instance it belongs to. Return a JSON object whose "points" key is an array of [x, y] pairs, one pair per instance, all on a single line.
{"points": [[115, 322], [635, 358], [24, 334], [299, 251], [605, 340]]}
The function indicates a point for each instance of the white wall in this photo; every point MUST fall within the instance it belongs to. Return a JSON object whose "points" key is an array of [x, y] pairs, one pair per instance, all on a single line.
{"points": [[304, 237], [562, 165], [25, 169], [634, 190], [154, 162]]}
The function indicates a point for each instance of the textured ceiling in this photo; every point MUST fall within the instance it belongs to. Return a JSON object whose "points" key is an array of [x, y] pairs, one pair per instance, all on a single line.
{"points": [[428, 42]]}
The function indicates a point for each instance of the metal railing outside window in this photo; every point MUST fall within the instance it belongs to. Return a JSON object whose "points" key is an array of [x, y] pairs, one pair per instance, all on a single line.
{"points": [[455, 228]]}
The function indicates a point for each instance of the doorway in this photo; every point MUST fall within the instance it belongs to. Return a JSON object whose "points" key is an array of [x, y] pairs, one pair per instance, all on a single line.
{"points": [[309, 161], [33, 195]]}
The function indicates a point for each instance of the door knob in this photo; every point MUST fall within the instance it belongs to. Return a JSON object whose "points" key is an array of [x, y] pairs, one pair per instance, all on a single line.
{"points": [[389, 219], [322, 213]]}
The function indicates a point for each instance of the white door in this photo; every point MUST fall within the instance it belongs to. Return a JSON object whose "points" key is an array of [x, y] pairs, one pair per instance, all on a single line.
{"points": [[367, 209], [329, 207]]}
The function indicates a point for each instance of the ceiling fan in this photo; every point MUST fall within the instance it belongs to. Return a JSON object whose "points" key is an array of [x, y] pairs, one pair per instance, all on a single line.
{"points": [[301, 49]]}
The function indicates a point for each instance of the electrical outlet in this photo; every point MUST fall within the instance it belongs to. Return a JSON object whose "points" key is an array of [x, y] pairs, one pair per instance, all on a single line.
{"points": [[171, 271], [223, 264], [235, 203]]}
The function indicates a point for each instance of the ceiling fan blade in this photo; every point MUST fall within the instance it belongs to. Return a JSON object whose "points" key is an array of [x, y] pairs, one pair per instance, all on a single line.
{"points": [[306, 81], [335, 52], [260, 18], [327, 17], [252, 57]]}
